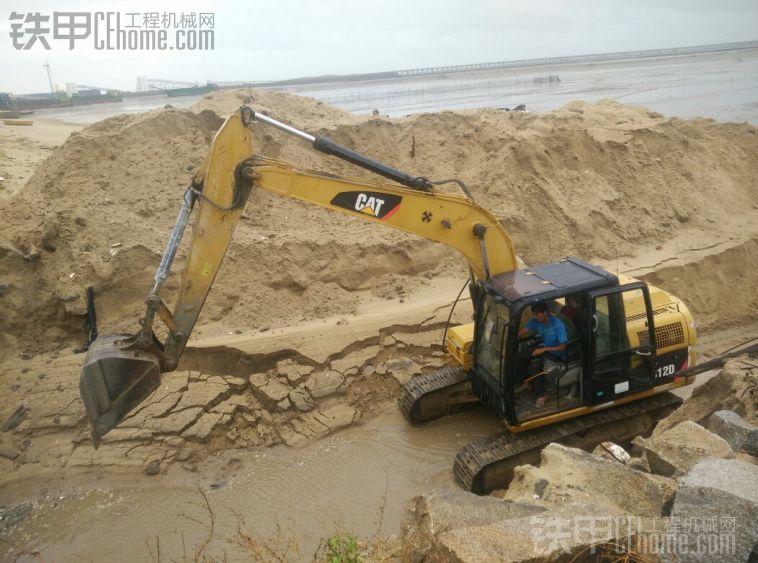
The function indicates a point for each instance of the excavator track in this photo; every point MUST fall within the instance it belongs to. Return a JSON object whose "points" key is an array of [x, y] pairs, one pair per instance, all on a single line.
{"points": [[435, 394], [486, 464]]}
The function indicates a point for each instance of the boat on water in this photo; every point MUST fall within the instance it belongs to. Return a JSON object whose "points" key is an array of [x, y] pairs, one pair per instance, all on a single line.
{"points": [[18, 106], [83, 97], [191, 90]]}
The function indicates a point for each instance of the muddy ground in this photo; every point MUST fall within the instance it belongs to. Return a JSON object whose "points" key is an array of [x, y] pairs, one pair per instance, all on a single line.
{"points": [[316, 320]]}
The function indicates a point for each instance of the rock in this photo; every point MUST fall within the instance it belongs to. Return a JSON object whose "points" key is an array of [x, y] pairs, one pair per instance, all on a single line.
{"points": [[258, 380], [717, 503], [738, 433], [565, 534], [351, 363], [324, 383], [301, 399], [203, 427], [639, 463], [735, 388], [431, 514], [317, 424], [153, 468], [8, 454], [613, 452], [274, 391], [232, 435], [673, 452], [236, 402], [161, 402], [203, 393], [176, 422], [14, 419], [573, 475], [236, 384], [293, 371]]}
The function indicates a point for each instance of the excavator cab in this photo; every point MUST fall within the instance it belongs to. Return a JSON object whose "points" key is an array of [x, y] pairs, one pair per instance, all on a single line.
{"points": [[610, 352]]}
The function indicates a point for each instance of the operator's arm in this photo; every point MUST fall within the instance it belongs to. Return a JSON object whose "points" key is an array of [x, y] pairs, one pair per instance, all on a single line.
{"points": [[539, 351], [561, 337]]}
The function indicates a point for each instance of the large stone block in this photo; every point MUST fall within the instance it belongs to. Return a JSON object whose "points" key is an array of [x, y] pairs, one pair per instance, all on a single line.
{"points": [[569, 475], [573, 533], [740, 434], [715, 513], [432, 514], [673, 452]]}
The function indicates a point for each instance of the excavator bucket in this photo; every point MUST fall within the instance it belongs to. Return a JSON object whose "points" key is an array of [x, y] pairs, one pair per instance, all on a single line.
{"points": [[115, 379]]}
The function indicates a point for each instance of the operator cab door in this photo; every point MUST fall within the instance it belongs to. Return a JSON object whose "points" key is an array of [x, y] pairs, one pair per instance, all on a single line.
{"points": [[620, 363]]}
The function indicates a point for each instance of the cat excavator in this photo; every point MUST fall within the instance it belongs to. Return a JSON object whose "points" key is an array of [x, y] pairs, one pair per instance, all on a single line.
{"points": [[629, 343]]}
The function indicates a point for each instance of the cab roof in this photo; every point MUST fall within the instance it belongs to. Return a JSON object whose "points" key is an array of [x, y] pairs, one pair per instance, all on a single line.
{"points": [[549, 281]]}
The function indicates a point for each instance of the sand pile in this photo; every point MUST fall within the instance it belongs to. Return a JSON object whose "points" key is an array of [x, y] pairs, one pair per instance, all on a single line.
{"points": [[596, 180], [298, 111], [591, 180], [720, 288]]}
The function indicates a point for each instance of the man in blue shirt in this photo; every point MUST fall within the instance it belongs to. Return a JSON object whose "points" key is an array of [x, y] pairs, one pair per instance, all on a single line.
{"points": [[549, 356]]}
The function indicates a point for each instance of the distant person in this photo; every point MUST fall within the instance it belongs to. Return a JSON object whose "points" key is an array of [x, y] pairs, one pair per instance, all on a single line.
{"points": [[551, 355]]}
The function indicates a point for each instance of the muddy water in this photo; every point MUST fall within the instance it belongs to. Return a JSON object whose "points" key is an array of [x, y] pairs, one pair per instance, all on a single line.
{"points": [[359, 479]]}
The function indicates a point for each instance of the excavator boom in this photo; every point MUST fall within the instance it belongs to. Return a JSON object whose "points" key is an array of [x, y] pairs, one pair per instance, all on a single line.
{"points": [[120, 371]]}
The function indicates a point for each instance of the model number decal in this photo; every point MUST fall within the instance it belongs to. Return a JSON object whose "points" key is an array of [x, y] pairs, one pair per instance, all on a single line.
{"points": [[374, 204], [665, 371]]}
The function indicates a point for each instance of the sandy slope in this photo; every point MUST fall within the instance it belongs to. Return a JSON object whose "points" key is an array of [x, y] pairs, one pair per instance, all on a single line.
{"points": [[599, 181]]}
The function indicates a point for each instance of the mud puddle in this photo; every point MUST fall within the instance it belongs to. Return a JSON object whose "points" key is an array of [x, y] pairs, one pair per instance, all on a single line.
{"points": [[359, 479]]}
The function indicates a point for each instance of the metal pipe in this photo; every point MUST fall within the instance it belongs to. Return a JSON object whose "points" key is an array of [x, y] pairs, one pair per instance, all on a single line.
{"points": [[283, 126], [174, 240], [327, 146]]}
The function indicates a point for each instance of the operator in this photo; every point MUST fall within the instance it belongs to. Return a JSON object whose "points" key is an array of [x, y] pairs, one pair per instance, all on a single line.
{"points": [[551, 355]]}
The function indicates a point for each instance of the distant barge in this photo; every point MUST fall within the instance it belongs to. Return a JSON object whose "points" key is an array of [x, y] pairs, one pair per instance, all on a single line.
{"points": [[190, 90], [30, 102]]}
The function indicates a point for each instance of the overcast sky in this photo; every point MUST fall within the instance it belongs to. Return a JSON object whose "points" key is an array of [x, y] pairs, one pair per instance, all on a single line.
{"points": [[276, 39]]}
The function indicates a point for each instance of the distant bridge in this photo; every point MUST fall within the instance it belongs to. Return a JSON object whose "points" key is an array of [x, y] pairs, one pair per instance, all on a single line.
{"points": [[146, 84], [393, 74], [648, 53]]}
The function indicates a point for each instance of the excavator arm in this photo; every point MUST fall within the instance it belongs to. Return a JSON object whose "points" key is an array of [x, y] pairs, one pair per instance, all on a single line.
{"points": [[120, 371]]}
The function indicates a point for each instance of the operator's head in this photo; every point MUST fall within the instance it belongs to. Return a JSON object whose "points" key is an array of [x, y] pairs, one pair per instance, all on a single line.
{"points": [[539, 310]]}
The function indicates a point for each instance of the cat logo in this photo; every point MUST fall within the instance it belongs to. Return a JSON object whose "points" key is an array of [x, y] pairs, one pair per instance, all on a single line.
{"points": [[368, 204], [374, 204]]}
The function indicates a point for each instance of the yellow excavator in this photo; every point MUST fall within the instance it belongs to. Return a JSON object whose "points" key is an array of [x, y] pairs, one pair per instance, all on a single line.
{"points": [[628, 343]]}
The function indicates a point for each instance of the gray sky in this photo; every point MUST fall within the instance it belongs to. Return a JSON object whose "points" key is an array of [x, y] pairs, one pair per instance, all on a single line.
{"points": [[264, 40]]}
